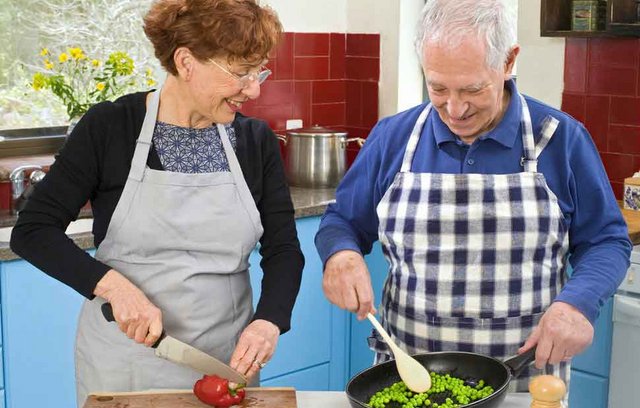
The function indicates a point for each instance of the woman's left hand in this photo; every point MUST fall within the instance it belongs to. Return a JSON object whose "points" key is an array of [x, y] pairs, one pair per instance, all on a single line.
{"points": [[255, 347]]}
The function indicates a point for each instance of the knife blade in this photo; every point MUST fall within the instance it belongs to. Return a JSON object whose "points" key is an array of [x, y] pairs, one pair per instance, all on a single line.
{"points": [[176, 351]]}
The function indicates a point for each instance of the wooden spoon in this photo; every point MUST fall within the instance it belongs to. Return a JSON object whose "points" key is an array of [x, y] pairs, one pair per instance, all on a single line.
{"points": [[414, 374]]}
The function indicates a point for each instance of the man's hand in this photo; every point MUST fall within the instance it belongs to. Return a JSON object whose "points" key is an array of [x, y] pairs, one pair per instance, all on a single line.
{"points": [[136, 316], [563, 332], [347, 283]]}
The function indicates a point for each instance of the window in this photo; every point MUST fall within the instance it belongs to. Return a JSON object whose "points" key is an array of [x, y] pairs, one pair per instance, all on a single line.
{"points": [[98, 27]]}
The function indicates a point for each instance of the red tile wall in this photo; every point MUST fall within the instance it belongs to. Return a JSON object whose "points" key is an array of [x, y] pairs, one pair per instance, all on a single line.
{"points": [[327, 79], [602, 90]]}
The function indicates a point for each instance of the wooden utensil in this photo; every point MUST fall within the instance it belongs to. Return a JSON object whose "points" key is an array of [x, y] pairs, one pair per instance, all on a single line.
{"points": [[547, 391], [414, 374], [258, 397]]}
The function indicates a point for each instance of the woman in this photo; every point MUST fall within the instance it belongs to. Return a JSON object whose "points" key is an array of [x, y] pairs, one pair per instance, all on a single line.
{"points": [[182, 187]]}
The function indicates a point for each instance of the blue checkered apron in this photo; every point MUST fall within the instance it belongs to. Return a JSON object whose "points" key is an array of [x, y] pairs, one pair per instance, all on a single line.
{"points": [[474, 259]]}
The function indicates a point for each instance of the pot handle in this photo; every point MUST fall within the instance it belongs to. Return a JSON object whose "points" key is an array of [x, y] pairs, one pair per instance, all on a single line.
{"points": [[282, 138], [358, 140], [519, 362]]}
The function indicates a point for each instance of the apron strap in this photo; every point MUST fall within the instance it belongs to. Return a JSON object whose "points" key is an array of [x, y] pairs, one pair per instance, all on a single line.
{"points": [[529, 160], [238, 178], [143, 145], [413, 140], [549, 127]]}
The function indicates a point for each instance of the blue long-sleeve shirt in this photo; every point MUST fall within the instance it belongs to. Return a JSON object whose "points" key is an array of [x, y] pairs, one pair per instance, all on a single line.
{"points": [[598, 238]]}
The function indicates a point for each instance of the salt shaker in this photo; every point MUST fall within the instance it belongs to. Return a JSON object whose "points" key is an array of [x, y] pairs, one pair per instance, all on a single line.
{"points": [[547, 391]]}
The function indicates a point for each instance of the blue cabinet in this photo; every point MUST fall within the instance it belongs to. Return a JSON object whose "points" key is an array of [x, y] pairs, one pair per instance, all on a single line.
{"points": [[39, 320], [590, 370], [312, 356]]}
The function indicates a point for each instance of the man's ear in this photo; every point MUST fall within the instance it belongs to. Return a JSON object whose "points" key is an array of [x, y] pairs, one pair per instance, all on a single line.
{"points": [[185, 62], [511, 61]]}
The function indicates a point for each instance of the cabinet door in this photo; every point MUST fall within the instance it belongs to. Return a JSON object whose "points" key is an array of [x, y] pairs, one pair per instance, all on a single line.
{"points": [[310, 379], [361, 356], [597, 358], [39, 319], [318, 329], [587, 390]]}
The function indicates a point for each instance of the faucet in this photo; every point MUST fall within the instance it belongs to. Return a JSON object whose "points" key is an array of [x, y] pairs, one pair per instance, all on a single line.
{"points": [[19, 194]]}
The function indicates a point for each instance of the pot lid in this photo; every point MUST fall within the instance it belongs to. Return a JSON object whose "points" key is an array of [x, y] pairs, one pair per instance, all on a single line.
{"points": [[316, 131]]}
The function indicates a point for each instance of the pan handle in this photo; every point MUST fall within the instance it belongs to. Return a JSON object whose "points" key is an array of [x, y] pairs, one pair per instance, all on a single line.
{"points": [[517, 363]]}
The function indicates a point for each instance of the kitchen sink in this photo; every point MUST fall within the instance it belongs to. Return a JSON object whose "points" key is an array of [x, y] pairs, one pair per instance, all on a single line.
{"points": [[31, 141], [75, 227]]}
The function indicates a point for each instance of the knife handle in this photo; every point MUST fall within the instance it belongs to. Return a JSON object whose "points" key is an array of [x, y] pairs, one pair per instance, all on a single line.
{"points": [[107, 312]]}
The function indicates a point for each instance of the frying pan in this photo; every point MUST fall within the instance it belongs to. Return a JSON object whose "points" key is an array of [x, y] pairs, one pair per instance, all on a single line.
{"points": [[461, 364]]}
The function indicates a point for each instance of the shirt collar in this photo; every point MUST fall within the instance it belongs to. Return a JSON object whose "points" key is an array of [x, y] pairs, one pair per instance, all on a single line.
{"points": [[506, 131]]}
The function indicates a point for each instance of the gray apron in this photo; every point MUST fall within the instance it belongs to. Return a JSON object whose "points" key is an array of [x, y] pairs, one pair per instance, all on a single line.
{"points": [[184, 240]]}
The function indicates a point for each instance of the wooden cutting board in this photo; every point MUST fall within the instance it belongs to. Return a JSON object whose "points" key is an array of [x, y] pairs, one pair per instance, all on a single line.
{"points": [[261, 397]]}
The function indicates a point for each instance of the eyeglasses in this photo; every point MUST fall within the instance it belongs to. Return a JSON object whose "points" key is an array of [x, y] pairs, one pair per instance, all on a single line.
{"points": [[245, 80]]}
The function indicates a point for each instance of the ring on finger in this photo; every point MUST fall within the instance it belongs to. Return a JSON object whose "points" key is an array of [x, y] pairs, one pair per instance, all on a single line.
{"points": [[259, 363]]}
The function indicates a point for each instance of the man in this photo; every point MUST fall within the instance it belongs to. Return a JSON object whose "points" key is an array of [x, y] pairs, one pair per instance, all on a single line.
{"points": [[478, 199]]}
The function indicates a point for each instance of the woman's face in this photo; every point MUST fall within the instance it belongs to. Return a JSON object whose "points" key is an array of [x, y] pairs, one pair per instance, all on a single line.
{"points": [[218, 90]]}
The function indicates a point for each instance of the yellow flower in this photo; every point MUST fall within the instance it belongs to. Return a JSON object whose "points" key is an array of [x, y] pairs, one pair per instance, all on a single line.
{"points": [[44, 52], [95, 63], [48, 64], [148, 72], [100, 86], [121, 63], [63, 57], [39, 81], [77, 53], [151, 82]]}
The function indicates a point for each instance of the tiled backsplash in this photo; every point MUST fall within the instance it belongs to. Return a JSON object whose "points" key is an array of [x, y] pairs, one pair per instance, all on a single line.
{"points": [[327, 79], [602, 90]]}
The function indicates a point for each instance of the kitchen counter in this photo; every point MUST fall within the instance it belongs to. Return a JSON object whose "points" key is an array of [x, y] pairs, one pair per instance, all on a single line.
{"points": [[307, 202], [323, 399], [633, 223]]}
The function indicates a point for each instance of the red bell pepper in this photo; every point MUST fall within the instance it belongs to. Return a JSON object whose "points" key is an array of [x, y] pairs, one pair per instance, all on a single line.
{"points": [[215, 391]]}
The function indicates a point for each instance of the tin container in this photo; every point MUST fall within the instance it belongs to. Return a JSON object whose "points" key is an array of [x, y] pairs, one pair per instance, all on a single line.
{"points": [[587, 15]]}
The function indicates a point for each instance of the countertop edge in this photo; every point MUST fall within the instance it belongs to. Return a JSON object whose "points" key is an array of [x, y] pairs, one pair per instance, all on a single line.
{"points": [[306, 203]]}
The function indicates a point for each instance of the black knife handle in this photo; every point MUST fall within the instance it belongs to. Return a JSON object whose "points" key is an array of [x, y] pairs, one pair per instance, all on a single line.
{"points": [[107, 312]]}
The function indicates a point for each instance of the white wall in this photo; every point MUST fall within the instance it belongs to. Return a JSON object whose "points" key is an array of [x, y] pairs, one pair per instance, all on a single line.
{"points": [[400, 75], [311, 16], [541, 60]]}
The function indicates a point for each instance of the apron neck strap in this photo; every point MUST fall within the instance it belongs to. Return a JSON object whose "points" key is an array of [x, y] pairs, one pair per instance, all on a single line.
{"points": [[413, 140], [141, 153]]}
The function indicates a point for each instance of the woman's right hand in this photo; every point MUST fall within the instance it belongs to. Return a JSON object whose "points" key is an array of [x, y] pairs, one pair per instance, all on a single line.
{"points": [[136, 316], [347, 283]]}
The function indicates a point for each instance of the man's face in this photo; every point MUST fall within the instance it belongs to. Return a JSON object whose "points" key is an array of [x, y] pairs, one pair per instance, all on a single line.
{"points": [[467, 94]]}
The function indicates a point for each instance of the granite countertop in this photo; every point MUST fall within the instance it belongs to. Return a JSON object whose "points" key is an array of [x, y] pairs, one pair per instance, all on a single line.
{"points": [[307, 202]]}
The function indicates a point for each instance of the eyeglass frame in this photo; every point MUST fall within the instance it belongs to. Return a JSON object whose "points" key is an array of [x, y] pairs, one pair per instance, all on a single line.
{"points": [[245, 80]]}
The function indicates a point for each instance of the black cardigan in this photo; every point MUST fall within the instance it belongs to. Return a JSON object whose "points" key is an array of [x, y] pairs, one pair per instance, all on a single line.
{"points": [[93, 165]]}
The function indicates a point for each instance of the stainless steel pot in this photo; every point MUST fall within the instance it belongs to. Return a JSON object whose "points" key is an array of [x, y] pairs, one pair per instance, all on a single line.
{"points": [[316, 157]]}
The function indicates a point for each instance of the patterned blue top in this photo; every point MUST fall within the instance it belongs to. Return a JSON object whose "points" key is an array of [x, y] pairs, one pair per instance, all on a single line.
{"points": [[189, 150]]}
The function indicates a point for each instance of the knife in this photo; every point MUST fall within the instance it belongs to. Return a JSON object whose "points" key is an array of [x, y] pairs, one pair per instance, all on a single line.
{"points": [[174, 350]]}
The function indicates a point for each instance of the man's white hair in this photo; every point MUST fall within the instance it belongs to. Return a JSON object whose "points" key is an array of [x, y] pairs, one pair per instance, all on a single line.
{"points": [[447, 22]]}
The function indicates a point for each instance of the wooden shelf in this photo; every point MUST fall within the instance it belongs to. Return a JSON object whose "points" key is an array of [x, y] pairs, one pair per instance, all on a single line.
{"points": [[620, 20]]}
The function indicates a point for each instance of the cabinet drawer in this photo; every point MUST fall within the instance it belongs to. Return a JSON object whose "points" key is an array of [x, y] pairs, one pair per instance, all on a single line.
{"points": [[310, 379]]}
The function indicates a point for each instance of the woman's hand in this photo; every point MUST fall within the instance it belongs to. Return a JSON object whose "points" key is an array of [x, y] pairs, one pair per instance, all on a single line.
{"points": [[136, 316], [255, 347]]}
